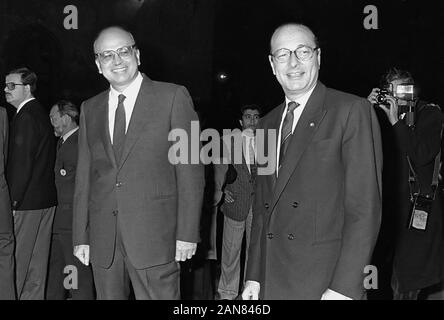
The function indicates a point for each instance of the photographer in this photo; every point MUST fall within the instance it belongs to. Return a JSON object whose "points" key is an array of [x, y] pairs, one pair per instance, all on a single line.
{"points": [[412, 198]]}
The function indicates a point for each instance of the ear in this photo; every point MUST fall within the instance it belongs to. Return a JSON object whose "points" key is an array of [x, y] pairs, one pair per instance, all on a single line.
{"points": [[241, 123], [270, 58], [99, 68], [138, 57], [319, 57]]}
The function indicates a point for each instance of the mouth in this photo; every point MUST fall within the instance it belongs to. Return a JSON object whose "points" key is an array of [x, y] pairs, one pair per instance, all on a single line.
{"points": [[119, 70], [295, 75]]}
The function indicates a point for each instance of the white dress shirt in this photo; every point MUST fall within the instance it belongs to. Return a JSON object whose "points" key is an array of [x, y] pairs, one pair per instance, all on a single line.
{"points": [[130, 94], [302, 100], [69, 133], [23, 103], [246, 141]]}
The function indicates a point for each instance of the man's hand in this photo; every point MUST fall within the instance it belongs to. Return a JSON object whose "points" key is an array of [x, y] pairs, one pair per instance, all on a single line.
{"points": [[372, 96], [392, 110], [229, 196], [82, 253], [185, 250], [251, 290], [333, 295]]}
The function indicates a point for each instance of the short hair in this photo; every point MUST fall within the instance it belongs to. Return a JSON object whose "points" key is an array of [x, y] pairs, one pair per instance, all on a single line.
{"points": [[66, 107], [250, 107], [395, 73], [297, 25], [27, 76]]}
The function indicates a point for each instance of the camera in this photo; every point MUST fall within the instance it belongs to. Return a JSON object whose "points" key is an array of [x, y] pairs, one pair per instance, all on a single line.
{"points": [[381, 97]]}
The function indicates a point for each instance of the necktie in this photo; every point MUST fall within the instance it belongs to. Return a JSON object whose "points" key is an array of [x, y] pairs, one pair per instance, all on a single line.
{"points": [[253, 166], [119, 128], [286, 130], [59, 143]]}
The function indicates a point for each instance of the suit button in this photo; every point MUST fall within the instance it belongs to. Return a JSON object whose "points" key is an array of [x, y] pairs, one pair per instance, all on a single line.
{"points": [[295, 204], [119, 184], [270, 235], [290, 236], [266, 206], [115, 212]]}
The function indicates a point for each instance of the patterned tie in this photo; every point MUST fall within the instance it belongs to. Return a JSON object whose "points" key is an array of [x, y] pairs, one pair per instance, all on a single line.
{"points": [[286, 130], [119, 128]]}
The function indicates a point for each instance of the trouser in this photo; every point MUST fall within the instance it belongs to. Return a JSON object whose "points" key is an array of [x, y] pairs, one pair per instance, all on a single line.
{"points": [[33, 237], [233, 233], [407, 295], [154, 283], [67, 276], [7, 285]]}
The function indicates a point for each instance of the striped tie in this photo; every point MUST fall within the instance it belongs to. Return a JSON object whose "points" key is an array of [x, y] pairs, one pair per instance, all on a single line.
{"points": [[286, 130]]}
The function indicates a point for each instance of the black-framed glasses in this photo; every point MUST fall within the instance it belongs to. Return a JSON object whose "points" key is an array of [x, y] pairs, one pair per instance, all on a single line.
{"points": [[11, 85], [303, 53], [108, 55]]}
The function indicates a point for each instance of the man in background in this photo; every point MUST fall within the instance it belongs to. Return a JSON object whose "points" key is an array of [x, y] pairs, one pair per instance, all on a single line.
{"points": [[237, 201], [64, 117], [30, 175]]}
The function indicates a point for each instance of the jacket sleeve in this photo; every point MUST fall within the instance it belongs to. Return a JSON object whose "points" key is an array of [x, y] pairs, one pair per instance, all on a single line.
{"points": [[190, 179], [362, 161], [82, 186]]}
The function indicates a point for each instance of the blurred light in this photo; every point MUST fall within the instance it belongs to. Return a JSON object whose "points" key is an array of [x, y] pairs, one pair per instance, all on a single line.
{"points": [[222, 76]]}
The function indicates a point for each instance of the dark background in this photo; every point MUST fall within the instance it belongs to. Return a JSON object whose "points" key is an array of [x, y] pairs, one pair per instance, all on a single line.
{"points": [[191, 42]]}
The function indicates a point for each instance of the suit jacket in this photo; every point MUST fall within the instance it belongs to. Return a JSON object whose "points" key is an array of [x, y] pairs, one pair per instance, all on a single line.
{"points": [[30, 169], [5, 205], [242, 187], [153, 201], [65, 174], [315, 226], [7, 285]]}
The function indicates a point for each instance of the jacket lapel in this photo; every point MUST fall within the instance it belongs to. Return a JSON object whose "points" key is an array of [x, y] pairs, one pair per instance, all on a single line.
{"points": [[303, 134], [103, 111], [139, 118]]}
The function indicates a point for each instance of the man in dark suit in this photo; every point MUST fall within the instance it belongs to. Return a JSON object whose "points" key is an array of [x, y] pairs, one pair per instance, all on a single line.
{"points": [[238, 198], [316, 219], [136, 210], [7, 286], [64, 117], [30, 175]]}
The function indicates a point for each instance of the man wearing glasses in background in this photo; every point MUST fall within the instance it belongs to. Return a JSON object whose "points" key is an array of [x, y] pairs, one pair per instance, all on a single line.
{"points": [[316, 219], [136, 213], [30, 175]]}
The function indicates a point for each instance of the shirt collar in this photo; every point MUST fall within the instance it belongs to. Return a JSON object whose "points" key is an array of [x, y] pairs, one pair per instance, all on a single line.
{"points": [[23, 103], [132, 90], [69, 133], [302, 100]]}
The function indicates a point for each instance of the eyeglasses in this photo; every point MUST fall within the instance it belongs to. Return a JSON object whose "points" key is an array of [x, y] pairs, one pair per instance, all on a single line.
{"points": [[11, 85], [108, 55], [303, 53]]}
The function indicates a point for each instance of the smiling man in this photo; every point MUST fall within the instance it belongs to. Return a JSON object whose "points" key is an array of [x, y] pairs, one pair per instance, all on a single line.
{"points": [[135, 213], [316, 219]]}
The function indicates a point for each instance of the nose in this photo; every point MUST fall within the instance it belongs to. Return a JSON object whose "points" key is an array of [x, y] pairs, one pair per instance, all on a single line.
{"points": [[293, 59], [117, 59]]}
